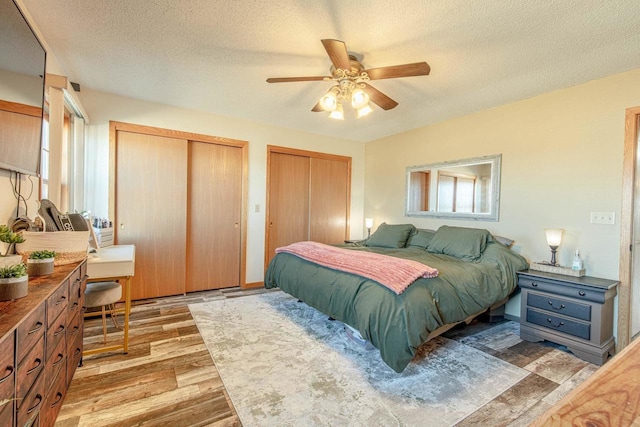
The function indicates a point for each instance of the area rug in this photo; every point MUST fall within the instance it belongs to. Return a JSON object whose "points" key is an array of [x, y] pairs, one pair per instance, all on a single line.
{"points": [[284, 363]]}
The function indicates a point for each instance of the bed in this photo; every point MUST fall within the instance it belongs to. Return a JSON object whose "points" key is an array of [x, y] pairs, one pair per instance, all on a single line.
{"points": [[475, 272]]}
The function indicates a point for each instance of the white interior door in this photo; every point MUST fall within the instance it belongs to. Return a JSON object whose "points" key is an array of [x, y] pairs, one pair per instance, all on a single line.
{"points": [[635, 267]]}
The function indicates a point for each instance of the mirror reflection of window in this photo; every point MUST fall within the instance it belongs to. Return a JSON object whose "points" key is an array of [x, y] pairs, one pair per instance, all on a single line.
{"points": [[464, 188]]}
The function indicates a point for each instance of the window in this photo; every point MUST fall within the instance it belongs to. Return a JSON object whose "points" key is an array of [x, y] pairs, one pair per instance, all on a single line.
{"points": [[456, 192]]}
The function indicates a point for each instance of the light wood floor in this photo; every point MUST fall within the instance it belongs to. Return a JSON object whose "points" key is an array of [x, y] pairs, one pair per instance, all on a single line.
{"points": [[169, 379]]}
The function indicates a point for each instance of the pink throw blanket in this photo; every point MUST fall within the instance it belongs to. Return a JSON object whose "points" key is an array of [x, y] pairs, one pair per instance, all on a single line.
{"points": [[394, 273]]}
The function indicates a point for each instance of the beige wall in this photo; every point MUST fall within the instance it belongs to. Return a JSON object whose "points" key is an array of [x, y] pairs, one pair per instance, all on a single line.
{"points": [[561, 159], [103, 107]]}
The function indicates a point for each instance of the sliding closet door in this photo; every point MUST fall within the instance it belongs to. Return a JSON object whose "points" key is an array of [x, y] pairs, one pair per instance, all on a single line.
{"points": [[329, 200], [288, 191], [151, 210], [215, 202]]}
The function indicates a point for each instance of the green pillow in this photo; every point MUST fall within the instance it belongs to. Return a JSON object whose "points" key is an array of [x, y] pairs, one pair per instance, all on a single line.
{"points": [[421, 238], [459, 242], [391, 236]]}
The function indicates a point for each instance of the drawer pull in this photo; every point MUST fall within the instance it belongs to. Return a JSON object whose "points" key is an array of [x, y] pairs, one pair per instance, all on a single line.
{"points": [[60, 358], [555, 326], [582, 293], [59, 331], [59, 398], [534, 284], [61, 300], [76, 352], [38, 362], [556, 308], [35, 329], [74, 330], [6, 377], [85, 277], [34, 407], [73, 306]]}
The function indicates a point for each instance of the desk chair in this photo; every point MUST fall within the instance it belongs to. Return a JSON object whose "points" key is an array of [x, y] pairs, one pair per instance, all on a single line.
{"points": [[104, 294]]}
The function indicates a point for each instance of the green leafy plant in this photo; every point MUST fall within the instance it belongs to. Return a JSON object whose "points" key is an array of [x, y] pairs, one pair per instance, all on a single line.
{"points": [[43, 254], [10, 238], [13, 271]]}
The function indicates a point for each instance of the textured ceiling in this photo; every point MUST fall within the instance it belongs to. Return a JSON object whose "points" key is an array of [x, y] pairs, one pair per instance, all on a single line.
{"points": [[215, 55]]}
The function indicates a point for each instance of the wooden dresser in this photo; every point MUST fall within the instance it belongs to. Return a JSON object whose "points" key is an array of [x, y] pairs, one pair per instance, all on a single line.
{"points": [[41, 346]]}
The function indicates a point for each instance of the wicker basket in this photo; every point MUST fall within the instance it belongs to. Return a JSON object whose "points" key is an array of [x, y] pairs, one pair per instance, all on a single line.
{"points": [[70, 246]]}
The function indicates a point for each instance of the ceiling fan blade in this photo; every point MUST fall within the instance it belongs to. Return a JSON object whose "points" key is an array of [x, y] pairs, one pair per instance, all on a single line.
{"points": [[406, 70], [317, 108], [337, 52], [296, 79], [379, 98]]}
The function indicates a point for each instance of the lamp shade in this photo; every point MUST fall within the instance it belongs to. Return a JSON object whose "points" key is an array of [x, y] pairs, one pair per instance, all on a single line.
{"points": [[359, 98], [364, 111], [338, 113], [554, 236], [329, 101], [368, 222]]}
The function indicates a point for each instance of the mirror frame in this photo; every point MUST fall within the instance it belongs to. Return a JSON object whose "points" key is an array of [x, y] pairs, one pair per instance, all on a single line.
{"points": [[493, 215]]}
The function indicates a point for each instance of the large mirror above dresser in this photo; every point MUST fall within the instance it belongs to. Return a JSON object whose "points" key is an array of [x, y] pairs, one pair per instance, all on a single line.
{"points": [[458, 189]]}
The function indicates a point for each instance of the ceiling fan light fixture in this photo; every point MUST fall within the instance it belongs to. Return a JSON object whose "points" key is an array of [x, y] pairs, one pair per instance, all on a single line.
{"points": [[337, 113], [364, 111], [359, 98], [329, 102]]}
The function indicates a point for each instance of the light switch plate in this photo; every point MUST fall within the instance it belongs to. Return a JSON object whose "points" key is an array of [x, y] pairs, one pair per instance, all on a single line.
{"points": [[603, 218]]}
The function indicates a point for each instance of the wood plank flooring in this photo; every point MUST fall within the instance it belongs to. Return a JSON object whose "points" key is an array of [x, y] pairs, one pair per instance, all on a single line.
{"points": [[169, 379]]}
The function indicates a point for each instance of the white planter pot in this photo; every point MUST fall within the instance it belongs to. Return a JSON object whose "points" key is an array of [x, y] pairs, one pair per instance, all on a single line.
{"points": [[39, 267], [14, 288]]}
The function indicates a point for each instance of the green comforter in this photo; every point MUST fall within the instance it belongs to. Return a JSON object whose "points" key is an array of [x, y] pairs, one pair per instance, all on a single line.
{"points": [[398, 324]]}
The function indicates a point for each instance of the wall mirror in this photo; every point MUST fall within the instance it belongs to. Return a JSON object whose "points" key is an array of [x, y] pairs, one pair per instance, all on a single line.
{"points": [[460, 189]]}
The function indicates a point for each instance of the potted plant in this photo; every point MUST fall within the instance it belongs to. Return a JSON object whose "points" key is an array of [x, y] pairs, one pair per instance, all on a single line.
{"points": [[10, 239], [13, 282], [40, 263]]}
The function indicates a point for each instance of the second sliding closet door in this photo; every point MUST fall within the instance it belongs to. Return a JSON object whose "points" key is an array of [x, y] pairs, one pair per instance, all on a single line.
{"points": [[151, 212], [215, 200]]}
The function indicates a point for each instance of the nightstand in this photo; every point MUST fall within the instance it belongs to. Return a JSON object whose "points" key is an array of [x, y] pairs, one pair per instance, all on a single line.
{"points": [[576, 312]]}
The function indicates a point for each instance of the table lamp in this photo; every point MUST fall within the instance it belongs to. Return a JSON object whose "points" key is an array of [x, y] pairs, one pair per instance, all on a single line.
{"points": [[368, 222], [554, 237]]}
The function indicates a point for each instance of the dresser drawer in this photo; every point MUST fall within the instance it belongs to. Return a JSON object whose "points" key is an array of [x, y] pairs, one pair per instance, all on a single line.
{"points": [[74, 355], [29, 407], [7, 377], [29, 369], [559, 305], [57, 302], [560, 324], [30, 331], [55, 361], [56, 332], [53, 401], [74, 293]]}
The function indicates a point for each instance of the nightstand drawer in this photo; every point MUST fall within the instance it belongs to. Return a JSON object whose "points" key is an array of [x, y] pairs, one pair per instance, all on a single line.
{"points": [[562, 288], [560, 324], [561, 306]]}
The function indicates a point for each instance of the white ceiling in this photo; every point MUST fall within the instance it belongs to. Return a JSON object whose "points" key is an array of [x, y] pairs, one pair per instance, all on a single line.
{"points": [[216, 55]]}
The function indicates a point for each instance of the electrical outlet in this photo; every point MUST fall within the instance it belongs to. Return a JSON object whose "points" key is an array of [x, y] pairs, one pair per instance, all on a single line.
{"points": [[257, 208], [603, 218]]}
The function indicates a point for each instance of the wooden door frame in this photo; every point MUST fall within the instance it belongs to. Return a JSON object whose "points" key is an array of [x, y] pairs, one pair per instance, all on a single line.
{"points": [[115, 126], [632, 116], [302, 153]]}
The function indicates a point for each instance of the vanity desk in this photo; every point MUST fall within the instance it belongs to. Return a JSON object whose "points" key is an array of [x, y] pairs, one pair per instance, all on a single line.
{"points": [[41, 346], [576, 312]]}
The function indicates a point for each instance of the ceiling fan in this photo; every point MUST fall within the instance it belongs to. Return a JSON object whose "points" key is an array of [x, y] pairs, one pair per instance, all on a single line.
{"points": [[351, 81]]}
